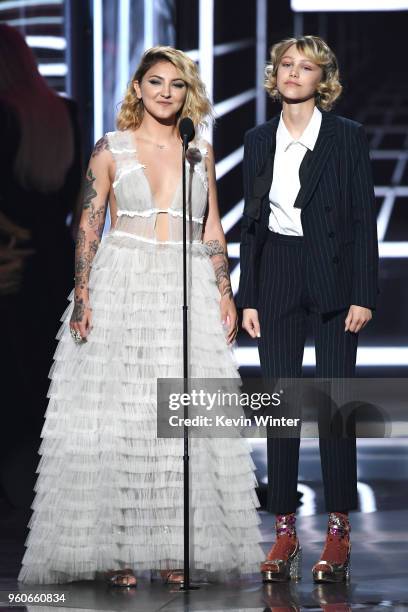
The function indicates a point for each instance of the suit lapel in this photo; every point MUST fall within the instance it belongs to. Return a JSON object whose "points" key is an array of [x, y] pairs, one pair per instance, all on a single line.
{"points": [[314, 161], [263, 154]]}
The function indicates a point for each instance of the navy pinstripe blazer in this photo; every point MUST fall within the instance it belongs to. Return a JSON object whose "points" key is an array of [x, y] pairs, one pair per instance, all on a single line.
{"points": [[338, 213]]}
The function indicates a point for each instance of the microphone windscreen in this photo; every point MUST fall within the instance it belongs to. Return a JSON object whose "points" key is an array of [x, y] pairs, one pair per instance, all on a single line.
{"points": [[186, 128]]}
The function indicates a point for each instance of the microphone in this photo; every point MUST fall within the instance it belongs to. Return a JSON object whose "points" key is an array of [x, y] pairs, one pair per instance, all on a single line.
{"points": [[187, 131]]}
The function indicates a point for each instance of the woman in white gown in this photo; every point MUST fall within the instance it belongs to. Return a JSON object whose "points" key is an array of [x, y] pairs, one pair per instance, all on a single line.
{"points": [[109, 492]]}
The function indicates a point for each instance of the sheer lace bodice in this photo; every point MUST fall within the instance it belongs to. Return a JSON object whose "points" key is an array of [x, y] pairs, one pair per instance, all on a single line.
{"points": [[137, 212]]}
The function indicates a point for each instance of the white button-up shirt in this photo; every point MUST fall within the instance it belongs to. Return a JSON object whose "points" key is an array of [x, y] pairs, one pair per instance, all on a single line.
{"points": [[289, 153]]}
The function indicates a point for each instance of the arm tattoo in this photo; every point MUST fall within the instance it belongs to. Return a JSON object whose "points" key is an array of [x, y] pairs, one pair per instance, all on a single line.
{"points": [[80, 241], [100, 146], [96, 216], [214, 248], [89, 191], [87, 243], [220, 262]]}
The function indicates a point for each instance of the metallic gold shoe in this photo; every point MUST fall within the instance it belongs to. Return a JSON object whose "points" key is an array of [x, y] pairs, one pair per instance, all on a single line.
{"points": [[287, 569], [275, 569], [338, 527], [337, 572]]}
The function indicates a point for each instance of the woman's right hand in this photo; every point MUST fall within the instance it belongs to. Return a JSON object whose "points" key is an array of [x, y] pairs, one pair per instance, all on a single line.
{"points": [[250, 322], [81, 318]]}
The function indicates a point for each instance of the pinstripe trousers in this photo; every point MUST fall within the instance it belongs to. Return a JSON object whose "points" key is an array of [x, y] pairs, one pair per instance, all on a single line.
{"points": [[287, 302]]}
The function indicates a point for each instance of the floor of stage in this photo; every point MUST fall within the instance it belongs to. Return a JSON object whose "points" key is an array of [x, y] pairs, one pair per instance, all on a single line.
{"points": [[380, 550]]}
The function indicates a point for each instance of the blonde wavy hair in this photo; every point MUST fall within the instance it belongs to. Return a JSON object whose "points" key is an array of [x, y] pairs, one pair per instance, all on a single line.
{"points": [[197, 106], [319, 52]]}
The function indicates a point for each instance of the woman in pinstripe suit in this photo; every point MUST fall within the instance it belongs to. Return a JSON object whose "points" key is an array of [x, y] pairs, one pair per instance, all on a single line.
{"points": [[308, 252]]}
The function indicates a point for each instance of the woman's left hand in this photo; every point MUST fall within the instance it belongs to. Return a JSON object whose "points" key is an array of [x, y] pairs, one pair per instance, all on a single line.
{"points": [[229, 317]]}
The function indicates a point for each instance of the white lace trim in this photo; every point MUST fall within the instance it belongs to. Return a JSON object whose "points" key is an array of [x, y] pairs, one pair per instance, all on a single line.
{"points": [[122, 150], [151, 211], [116, 232]]}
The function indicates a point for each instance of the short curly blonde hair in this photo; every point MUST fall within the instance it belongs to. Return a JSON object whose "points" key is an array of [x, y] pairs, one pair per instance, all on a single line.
{"points": [[197, 106], [319, 52]]}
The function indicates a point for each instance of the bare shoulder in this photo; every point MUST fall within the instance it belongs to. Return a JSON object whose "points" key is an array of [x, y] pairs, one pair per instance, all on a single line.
{"points": [[101, 145], [101, 159]]}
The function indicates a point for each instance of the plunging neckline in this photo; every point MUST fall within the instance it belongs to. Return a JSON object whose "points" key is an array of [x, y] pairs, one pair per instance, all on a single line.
{"points": [[145, 177]]}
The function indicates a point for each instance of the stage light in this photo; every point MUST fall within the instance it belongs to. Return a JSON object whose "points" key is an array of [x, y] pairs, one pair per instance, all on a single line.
{"points": [[234, 276], [229, 162], [308, 506], [384, 215], [366, 356], [193, 54], [7, 5], [366, 498], [148, 24], [393, 249], [226, 106], [261, 51], [230, 47], [52, 70], [124, 44], [30, 21], [47, 42], [386, 249], [98, 68], [233, 250], [206, 50], [232, 217], [348, 5]]}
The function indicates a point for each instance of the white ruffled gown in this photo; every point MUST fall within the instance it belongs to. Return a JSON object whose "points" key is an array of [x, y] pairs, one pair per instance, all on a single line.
{"points": [[109, 493]]}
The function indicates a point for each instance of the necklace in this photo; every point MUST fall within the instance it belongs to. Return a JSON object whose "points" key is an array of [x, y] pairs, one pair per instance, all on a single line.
{"points": [[159, 146]]}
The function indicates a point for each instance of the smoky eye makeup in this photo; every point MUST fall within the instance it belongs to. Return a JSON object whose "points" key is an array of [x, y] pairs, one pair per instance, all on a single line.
{"points": [[157, 81]]}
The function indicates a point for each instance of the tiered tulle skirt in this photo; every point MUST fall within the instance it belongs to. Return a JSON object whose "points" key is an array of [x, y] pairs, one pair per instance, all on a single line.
{"points": [[109, 493]]}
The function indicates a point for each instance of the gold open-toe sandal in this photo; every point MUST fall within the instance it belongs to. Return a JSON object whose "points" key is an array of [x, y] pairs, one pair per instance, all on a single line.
{"points": [[124, 578], [335, 567]]}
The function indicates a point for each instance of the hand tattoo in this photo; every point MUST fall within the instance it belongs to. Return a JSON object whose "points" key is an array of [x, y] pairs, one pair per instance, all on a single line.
{"points": [[220, 262], [79, 310]]}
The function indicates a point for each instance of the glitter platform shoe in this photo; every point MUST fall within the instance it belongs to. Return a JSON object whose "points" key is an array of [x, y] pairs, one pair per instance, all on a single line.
{"points": [[284, 560], [334, 566]]}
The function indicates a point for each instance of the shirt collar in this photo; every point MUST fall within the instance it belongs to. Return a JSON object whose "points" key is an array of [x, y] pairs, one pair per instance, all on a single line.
{"points": [[309, 136]]}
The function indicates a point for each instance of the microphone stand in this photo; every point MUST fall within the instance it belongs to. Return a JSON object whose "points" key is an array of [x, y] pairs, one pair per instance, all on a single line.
{"points": [[186, 586]]}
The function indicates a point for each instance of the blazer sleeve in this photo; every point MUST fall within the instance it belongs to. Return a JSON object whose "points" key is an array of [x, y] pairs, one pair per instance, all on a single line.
{"points": [[365, 255], [247, 292]]}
